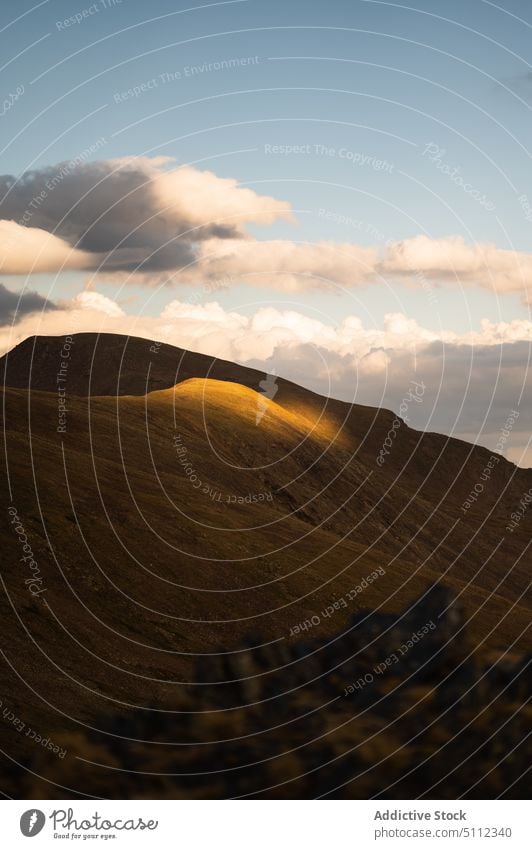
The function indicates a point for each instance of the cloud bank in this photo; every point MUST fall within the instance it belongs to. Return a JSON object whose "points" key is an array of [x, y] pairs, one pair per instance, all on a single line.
{"points": [[147, 221]]}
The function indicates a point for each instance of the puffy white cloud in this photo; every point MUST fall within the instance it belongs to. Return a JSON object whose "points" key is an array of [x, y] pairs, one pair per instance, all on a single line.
{"points": [[201, 198], [452, 259], [96, 302], [24, 250]]}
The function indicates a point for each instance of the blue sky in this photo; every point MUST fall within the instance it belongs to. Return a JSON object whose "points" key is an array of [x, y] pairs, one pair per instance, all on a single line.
{"points": [[379, 79], [352, 112]]}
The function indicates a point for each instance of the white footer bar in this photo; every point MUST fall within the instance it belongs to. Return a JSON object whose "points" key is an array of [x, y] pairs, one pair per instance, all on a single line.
{"points": [[265, 824]]}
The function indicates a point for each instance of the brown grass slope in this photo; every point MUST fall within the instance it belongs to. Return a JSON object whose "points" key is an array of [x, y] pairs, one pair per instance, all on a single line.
{"points": [[143, 569]]}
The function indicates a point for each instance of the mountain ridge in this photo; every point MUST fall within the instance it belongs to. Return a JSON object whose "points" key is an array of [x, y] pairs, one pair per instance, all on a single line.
{"points": [[134, 366]]}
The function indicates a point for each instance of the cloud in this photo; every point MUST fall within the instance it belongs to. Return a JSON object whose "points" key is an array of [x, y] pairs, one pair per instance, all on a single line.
{"points": [[14, 307], [131, 213], [24, 250], [418, 262], [146, 221], [285, 264], [472, 380], [155, 222], [95, 302], [481, 264]]}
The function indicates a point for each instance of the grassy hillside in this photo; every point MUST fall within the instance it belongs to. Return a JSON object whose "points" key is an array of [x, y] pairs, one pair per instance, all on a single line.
{"points": [[201, 518]]}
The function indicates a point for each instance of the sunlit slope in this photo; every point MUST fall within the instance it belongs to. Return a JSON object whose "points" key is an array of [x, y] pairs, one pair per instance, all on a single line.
{"points": [[186, 498]]}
